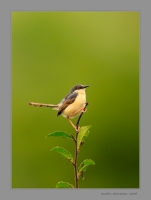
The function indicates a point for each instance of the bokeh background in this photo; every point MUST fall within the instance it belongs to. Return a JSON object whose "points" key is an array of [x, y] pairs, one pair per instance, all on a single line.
{"points": [[53, 51]]}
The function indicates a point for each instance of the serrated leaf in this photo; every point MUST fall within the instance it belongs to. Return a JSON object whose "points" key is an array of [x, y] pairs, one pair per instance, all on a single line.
{"points": [[83, 166], [60, 134], [62, 184], [84, 131], [63, 152]]}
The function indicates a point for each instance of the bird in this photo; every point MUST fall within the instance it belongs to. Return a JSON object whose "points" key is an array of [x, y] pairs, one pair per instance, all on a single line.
{"points": [[72, 105]]}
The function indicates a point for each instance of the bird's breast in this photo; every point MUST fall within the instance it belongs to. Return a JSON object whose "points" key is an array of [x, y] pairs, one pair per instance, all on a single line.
{"points": [[74, 109]]}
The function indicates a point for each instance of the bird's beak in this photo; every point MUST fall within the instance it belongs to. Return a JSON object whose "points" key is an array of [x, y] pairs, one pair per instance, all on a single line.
{"points": [[85, 86]]}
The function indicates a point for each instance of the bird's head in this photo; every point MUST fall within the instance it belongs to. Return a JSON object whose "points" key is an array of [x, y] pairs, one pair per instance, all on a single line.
{"points": [[79, 88]]}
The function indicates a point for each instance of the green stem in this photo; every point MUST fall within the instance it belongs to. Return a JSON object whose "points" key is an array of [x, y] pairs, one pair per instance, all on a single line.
{"points": [[76, 149], [75, 163]]}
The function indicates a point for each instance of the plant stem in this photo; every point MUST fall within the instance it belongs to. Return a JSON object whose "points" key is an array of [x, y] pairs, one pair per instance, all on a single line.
{"points": [[76, 150], [75, 163]]}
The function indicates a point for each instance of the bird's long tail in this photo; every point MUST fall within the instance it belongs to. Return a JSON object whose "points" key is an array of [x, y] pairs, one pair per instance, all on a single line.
{"points": [[53, 106]]}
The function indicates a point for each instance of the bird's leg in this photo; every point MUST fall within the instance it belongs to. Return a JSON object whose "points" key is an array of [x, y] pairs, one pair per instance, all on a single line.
{"points": [[81, 109], [73, 124]]}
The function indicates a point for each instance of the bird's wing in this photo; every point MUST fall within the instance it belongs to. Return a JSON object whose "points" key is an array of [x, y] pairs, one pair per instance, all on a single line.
{"points": [[69, 100]]}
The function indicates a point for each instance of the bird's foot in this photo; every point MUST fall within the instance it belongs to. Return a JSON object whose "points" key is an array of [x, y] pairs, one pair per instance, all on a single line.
{"points": [[84, 110], [77, 129]]}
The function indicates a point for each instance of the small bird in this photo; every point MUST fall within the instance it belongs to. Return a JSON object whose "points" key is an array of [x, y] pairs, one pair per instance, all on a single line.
{"points": [[71, 105]]}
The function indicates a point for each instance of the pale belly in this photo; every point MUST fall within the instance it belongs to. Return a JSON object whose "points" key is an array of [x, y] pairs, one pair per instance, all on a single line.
{"points": [[78, 104]]}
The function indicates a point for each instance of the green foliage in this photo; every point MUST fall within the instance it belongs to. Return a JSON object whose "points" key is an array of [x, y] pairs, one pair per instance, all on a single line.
{"points": [[83, 166], [62, 184], [63, 152], [83, 134], [60, 134]]}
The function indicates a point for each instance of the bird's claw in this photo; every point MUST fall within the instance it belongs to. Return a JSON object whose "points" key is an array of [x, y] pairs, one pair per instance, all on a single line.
{"points": [[77, 128], [84, 110]]}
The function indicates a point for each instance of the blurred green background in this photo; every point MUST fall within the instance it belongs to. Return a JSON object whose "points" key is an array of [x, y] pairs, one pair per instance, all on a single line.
{"points": [[53, 51]]}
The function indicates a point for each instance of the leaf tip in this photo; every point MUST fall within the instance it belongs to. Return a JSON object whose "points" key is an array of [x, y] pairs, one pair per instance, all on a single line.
{"points": [[62, 184]]}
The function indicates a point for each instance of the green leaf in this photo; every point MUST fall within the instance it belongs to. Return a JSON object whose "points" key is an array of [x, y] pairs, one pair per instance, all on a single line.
{"points": [[83, 166], [86, 135], [63, 152], [84, 132], [62, 184], [60, 134]]}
